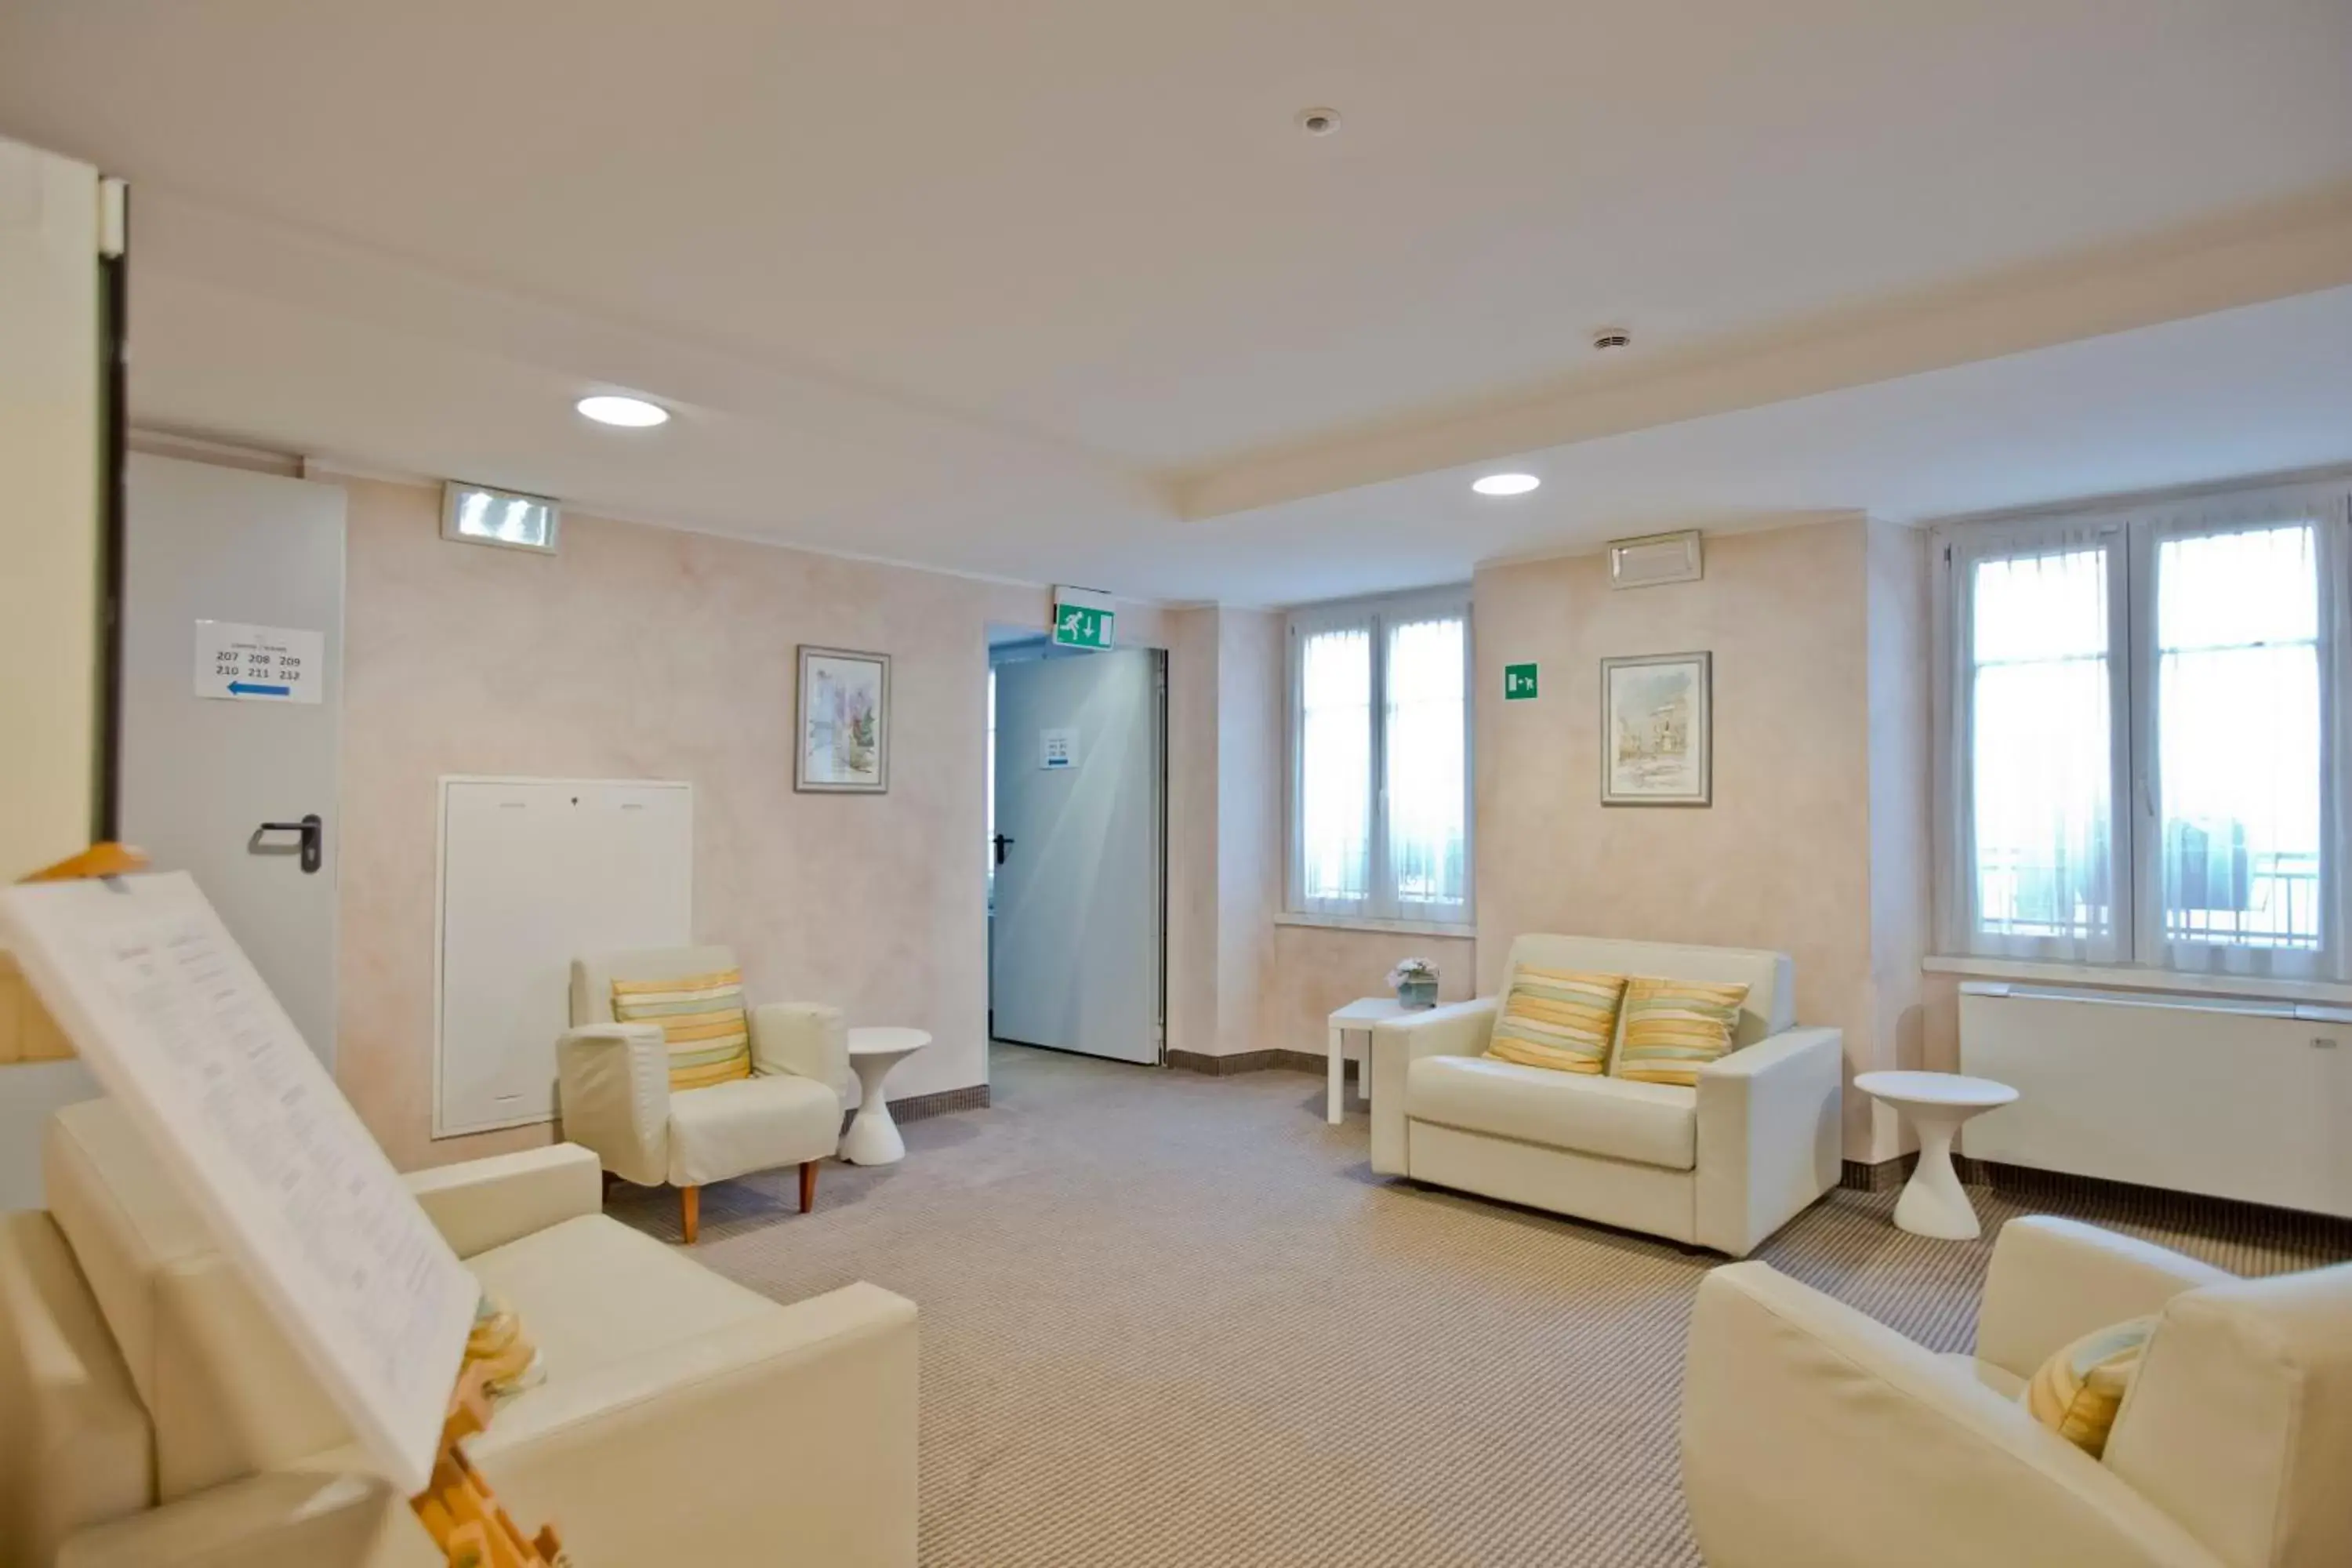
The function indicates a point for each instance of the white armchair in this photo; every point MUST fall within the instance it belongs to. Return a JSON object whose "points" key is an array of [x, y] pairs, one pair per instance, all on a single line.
{"points": [[1814, 1434], [612, 1087], [1722, 1165]]}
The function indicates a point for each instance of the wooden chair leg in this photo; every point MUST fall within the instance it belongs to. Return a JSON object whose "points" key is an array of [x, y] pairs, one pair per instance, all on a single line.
{"points": [[808, 1186], [691, 1198]]}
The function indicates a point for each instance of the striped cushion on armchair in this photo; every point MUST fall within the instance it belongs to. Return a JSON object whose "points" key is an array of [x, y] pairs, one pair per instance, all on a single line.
{"points": [[701, 1017]]}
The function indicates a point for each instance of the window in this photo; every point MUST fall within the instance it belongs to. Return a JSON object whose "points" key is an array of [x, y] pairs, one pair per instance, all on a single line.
{"points": [[2145, 750], [1380, 750]]}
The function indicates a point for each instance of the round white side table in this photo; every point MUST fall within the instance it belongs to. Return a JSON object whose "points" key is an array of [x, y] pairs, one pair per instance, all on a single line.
{"points": [[872, 1138], [1933, 1202]]}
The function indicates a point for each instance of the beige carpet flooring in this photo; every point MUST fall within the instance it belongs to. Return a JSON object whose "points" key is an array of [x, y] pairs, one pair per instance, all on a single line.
{"points": [[1174, 1321]]}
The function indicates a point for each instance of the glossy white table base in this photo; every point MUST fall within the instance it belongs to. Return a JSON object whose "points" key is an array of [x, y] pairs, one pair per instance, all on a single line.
{"points": [[872, 1138], [1933, 1202]]}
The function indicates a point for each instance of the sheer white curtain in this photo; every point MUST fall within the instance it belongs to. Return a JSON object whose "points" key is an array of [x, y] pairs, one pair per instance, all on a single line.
{"points": [[1333, 815], [1379, 801], [2039, 669], [1428, 858], [2149, 757], [2239, 815]]}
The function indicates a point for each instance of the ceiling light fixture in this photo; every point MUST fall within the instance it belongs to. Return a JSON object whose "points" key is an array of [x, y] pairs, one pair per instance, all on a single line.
{"points": [[1505, 484], [631, 413], [1318, 121]]}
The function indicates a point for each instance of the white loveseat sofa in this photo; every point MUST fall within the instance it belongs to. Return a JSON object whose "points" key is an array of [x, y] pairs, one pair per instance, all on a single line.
{"points": [[1723, 1165], [151, 1414], [1813, 1433]]}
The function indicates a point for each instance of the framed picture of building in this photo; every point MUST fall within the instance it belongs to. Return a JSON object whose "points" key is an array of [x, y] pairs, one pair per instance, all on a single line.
{"points": [[1657, 730], [845, 719]]}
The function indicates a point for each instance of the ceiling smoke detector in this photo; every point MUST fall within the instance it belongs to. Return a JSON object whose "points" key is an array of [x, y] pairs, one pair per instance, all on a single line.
{"points": [[1318, 121], [1609, 338]]}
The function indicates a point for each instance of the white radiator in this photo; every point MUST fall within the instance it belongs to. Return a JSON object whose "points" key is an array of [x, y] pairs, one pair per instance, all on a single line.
{"points": [[2238, 1100]]}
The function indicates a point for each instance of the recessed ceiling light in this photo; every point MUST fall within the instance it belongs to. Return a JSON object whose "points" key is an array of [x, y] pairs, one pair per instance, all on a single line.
{"points": [[634, 412], [1505, 484], [1318, 121]]}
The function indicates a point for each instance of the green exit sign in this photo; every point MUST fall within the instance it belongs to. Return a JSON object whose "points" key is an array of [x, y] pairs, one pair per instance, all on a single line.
{"points": [[1076, 626], [1518, 682]]}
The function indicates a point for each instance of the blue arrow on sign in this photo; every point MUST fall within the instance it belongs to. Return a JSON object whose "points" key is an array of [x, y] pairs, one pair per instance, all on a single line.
{"points": [[246, 688]]}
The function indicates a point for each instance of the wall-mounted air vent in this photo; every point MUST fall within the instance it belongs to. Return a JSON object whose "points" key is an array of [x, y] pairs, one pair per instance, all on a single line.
{"points": [[1657, 558]]}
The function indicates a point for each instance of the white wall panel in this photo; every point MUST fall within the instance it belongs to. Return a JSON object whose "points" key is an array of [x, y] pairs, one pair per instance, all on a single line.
{"points": [[535, 872]]}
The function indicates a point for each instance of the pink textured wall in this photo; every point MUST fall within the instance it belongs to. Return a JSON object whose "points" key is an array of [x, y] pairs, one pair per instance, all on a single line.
{"points": [[1782, 859], [1317, 970], [645, 653]]}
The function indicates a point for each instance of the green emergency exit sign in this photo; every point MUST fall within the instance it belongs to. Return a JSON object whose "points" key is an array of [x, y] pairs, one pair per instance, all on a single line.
{"points": [[1076, 626], [1518, 682]]}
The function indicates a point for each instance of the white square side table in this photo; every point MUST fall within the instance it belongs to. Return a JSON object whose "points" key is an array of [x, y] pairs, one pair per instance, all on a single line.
{"points": [[1356, 1019]]}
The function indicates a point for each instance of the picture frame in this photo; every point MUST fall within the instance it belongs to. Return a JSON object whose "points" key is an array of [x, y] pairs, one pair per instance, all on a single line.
{"points": [[842, 745], [1657, 724]]}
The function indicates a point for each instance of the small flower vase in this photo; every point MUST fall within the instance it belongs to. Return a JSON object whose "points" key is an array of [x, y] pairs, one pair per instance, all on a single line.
{"points": [[1417, 993]]}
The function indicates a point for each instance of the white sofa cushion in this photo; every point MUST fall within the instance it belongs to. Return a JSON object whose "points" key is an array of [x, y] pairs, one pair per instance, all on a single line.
{"points": [[594, 1293], [1771, 977], [752, 1124], [1648, 1124]]}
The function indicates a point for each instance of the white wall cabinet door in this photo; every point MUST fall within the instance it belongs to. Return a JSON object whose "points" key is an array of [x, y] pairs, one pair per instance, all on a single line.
{"points": [[535, 873]]}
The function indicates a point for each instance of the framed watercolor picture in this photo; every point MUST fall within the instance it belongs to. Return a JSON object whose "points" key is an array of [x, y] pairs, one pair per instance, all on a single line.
{"points": [[845, 721], [1657, 730]]}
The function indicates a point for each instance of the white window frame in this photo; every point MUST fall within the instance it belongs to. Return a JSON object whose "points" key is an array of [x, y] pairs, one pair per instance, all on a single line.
{"points": [[2134, 533], [1381, 904]]}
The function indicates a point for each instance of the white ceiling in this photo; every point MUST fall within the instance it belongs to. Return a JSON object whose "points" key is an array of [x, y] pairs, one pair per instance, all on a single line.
{"points": [[1055, 289]]}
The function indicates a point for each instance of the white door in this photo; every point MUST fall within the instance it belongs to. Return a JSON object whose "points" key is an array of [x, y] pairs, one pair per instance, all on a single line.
{"points": [[1078, 905], [233, 586]]}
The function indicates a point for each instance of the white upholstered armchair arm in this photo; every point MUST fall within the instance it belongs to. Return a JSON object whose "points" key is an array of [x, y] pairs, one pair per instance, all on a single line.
{"points": [[1769, 1139], [1456, 1029], [786, 1437], [611, 1084], [1813, 1433], [481, 1203], [805, 1038], [2053, 1280]]}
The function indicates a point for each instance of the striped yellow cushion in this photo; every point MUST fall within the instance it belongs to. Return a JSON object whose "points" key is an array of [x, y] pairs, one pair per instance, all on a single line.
{"points": [[1557, 1018], [2078, 1390], [701, 1015], [1674, 1027]]}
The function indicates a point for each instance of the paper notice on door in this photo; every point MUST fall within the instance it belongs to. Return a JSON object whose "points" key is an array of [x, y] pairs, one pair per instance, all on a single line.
{"points": [[1057, 748], [170, 1016], [246, 663]]}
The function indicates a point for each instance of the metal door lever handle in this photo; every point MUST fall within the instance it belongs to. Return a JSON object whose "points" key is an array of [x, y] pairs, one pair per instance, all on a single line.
{"points": [[313, 829]]}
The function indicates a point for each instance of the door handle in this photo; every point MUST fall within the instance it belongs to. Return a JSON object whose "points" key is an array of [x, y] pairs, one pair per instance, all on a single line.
{"points": [[313, 829], [1000, 840]]}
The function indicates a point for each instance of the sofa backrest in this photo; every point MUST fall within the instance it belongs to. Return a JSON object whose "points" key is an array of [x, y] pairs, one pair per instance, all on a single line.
{"points": [[226, 1394], [2238, 1423], [593, 976], [75, 1447], [1771, 977]]}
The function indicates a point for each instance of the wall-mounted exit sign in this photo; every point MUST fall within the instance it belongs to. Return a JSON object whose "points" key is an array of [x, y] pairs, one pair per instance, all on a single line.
{"points": [[1082, 617], [1518, 682]]}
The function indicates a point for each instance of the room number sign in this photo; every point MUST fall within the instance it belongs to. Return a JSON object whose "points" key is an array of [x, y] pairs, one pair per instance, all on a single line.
{"points": [[241, 663]]}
